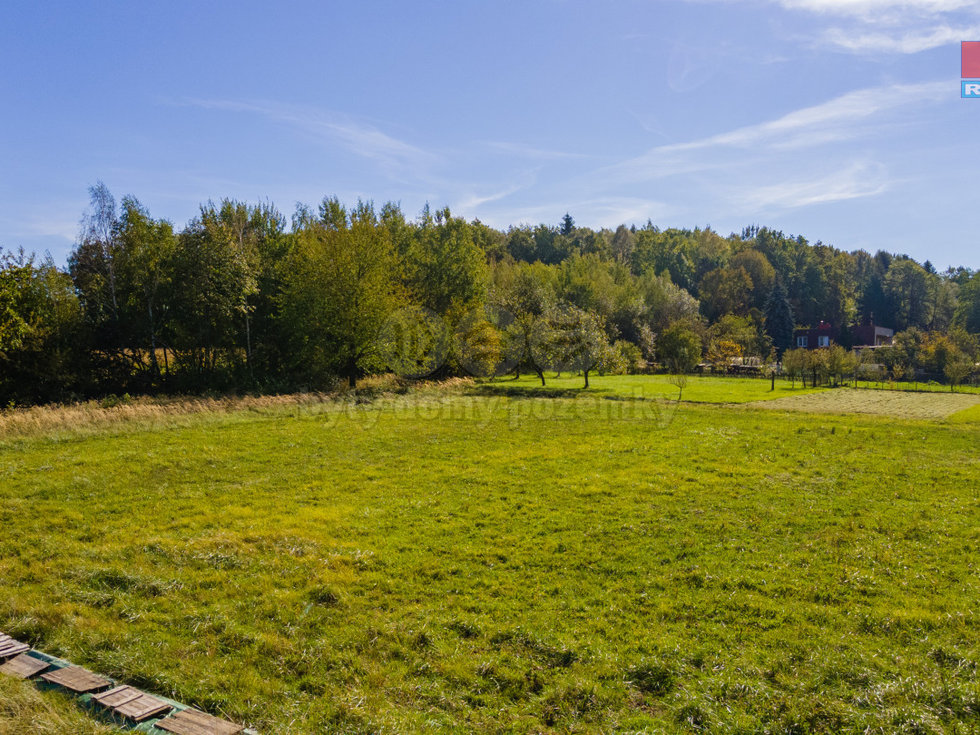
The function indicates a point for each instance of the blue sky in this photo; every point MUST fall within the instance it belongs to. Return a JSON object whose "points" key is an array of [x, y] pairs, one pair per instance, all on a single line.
{"points": [[836, 119]]}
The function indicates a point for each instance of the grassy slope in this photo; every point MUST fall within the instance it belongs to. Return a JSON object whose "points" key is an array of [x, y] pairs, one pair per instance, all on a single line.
{"points": [[512, 564]]}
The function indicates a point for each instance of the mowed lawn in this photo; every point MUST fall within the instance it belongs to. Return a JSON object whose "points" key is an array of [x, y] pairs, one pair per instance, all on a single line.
{"points": [[511, 564]]}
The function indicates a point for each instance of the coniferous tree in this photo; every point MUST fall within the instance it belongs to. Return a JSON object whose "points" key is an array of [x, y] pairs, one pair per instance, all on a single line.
{"points": [[567, 225], [779, 318], [968, 311]]}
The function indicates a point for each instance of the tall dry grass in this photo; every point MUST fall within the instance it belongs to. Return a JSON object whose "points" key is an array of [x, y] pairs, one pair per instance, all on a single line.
{"points": [[148, 411], [53, 419], [26, 711]]}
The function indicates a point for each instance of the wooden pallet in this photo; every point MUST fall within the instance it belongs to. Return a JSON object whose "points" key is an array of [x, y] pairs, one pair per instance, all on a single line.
{"points": [[10, 648], [132, 703], [23, 666], [77, 679], [193, 722]]}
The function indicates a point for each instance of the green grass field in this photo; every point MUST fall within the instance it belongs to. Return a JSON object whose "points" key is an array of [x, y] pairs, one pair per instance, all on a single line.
{"points": [[467, 561]]}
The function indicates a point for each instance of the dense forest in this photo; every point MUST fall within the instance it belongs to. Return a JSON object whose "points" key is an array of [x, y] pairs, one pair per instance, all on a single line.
{"points": [[241, 299]]}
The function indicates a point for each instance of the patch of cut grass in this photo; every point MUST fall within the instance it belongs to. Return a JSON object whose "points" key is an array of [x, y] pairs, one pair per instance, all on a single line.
{"points": [[899, 404]]}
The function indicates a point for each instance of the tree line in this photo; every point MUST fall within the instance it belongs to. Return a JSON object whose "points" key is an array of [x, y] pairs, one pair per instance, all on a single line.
{"points": [[241, 299]]}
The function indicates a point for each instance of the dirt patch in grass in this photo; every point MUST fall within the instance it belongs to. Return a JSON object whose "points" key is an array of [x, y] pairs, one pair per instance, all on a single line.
{"points": [[900, 404]]}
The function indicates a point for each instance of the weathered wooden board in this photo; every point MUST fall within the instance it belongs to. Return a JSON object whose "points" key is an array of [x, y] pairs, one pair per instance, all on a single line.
{"points": [[24, 666], [10, 648], [131, 703], [193, 722], [76, 679]]}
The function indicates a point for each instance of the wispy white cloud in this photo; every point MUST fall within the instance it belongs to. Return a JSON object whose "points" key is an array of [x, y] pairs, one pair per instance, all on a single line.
{"points": [[858, 180], [831, 120], [331, 128], [532, 152], [890, 26], [614, 211], [907, 42], [598, 211], [845, 117], [38, 221], [473, 202], [866, 8], [43, 227]]}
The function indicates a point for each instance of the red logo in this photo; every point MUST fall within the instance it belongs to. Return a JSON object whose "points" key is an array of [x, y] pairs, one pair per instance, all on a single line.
{"points": [[970, 52]]}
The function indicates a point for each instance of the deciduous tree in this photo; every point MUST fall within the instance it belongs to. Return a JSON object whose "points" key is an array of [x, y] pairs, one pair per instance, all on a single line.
{"points": [[40, 322], [341, 287], [523, 296], [679, 348], [578, 340]]}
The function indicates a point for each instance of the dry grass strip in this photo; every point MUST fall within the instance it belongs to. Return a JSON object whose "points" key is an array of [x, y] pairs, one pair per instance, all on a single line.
{"points": [[36, 420], [148, 411]]}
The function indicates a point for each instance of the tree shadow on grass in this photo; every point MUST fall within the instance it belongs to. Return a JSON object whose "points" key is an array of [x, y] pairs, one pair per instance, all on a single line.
{"points": [[537, 391], [521, 391]]}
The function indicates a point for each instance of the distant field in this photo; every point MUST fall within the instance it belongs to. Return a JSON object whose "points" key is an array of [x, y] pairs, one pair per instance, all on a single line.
{"points": [[510, 563], [698, 389], [884, 403]]}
